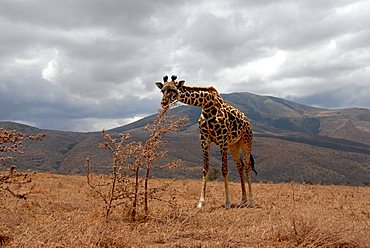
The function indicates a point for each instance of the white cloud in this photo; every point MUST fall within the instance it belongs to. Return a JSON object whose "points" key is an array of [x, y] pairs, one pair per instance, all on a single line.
{"points": [[98, 124], [350, 9], [27, 61], [51, 71], [262, 69]]}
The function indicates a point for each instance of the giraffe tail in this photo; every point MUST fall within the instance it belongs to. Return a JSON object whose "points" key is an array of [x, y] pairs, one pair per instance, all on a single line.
{"points": [[252, 163]]}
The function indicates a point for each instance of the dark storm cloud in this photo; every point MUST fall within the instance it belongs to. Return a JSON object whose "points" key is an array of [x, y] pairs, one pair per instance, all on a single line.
{"points": [[88, 65], [341, 98]]}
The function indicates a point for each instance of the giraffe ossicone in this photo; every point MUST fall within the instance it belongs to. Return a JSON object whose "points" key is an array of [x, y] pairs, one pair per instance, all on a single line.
{"points": [[219, 123]]}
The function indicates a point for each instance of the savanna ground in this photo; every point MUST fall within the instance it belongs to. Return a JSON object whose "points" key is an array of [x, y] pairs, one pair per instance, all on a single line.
{"points": [[61, 211]]}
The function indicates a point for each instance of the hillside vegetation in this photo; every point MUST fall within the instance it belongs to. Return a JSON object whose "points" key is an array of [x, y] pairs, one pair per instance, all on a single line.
{"points": [[62, 212]]}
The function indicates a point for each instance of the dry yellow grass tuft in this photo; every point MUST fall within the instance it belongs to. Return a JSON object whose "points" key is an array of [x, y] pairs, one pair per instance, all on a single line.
{"points": [[61, 212]]}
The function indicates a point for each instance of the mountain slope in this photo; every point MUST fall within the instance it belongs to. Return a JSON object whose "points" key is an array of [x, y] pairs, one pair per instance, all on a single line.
{"points": [[292, 142]]}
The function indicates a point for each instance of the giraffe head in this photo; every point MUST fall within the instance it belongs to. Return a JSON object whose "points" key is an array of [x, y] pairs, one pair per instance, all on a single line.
{"points": [[170, 89]]}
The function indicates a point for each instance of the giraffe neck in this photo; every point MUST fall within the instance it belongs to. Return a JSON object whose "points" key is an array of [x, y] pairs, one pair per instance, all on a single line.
{"points": [[204, 97]]}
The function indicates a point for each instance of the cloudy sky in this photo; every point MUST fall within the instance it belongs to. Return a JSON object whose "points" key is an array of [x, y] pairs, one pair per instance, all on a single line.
{"points": [[87, 65]]}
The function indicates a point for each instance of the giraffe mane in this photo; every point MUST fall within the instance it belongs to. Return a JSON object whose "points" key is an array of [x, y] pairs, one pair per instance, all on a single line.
{"points": [[196, 88]]}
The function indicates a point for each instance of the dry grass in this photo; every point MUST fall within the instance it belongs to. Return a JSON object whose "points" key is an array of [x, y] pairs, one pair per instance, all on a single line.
{"points": [[61, 212]]}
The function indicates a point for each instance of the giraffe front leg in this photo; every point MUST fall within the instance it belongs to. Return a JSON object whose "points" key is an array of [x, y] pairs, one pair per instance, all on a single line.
{"points": [[225, 173], [205, 148]]}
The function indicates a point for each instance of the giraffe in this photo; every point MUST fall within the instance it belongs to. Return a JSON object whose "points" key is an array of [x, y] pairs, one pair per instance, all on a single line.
{"points": [[220, 123]]}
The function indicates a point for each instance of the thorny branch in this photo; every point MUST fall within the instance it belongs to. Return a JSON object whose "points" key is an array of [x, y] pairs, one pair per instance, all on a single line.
{"points": [[11, 142]]}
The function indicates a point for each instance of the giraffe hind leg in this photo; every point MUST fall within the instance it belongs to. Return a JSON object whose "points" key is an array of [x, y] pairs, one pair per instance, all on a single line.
{"points": [[235, 153], [249, 161]]}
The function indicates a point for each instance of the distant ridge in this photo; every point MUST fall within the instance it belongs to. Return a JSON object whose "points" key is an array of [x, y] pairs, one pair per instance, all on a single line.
{"points": [[292, 142]]}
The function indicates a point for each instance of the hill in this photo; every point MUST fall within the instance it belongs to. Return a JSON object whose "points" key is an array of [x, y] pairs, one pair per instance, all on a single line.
{"points": [[62, 212], [292, 142]]}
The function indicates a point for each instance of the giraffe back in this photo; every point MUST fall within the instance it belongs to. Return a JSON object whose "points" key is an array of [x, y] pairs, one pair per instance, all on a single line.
{"points": [[223, 123]]}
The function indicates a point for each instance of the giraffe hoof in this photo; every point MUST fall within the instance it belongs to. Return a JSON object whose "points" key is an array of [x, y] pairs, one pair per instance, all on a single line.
{"points": [[227, 205], [251, 204], [201, 204]]}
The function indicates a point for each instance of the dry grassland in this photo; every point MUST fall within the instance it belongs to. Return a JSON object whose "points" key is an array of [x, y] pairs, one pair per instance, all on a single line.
{"points": [[61, 212]]}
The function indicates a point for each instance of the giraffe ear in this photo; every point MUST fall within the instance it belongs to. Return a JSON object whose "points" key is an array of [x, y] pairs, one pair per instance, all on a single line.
{"points": [[180, 83], [159, 85]]}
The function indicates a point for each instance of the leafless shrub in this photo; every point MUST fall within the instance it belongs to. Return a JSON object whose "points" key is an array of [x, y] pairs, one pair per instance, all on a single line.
{"points": [[214, 173], [119, 188], [11, 142], [162, 125], [125, 186]]}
